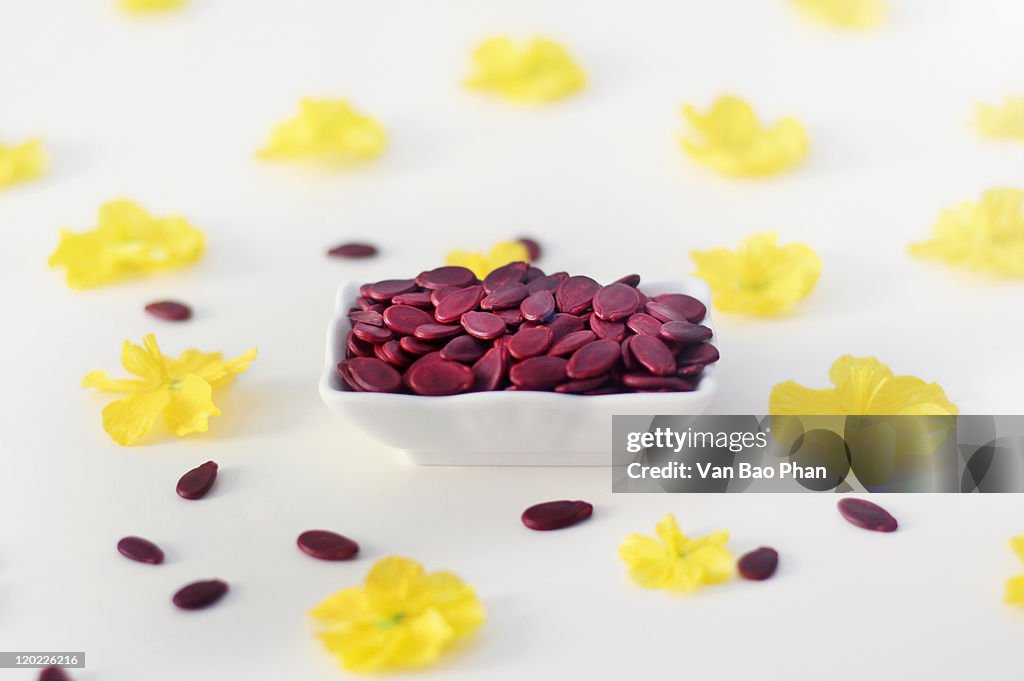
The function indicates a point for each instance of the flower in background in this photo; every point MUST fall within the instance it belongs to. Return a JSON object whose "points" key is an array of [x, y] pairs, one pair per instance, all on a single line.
{"points": [[402, 617], [1001, 121], [1015, 585], [844, 13], [150, 6], [483, 264], [988, 235], [21, 162], [327, 130], [126, 242], [731, 140], [535, 72], [677, 562], [760, 277], [181, 389]]}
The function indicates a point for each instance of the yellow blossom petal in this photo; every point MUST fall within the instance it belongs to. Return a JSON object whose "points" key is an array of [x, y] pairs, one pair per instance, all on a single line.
{"points": [[988, 235], [401, 618], [730, 139], [844, 13], [1014, 591], [327, 130], [131, 418], [1017, 544], [99, 380], [761, 277], [535, 72], [21, 162], [150, 6], [211, 367], [1001, 121], [676, 562], [190, 407], [502, 253]]}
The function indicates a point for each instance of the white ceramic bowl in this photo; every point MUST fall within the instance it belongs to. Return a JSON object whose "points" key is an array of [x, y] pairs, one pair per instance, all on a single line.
{"points": [[503, 428]]}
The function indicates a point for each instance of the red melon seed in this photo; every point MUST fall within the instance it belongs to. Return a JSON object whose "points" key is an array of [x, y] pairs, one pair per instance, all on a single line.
{"points": [[198, 481], [759, 564], [867, 515], [54, 674], [140, 550], [370, 374], [532, 248], [352, 250], [554, 515], [198, 595], [327, 545], [439, 377], [170, 310]]}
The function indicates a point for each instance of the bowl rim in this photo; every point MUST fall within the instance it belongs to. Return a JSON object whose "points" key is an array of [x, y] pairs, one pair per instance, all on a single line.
{"points": [[693, 286]]}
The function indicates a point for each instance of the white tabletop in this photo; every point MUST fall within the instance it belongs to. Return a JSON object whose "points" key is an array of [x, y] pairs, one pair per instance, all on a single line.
{"points": [[169, 111]]}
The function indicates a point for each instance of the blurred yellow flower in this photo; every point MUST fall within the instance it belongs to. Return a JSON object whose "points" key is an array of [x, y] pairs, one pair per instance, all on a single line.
{"points": [[536, 72], [150, 6], [675, 561], [988, 235], [401, 618], [21, 162], [126, 242], [862, 386], [844, 13], [327, 130], [733, 142], [761, 277], [482, 264], [1001, 121], [1015, 585], [179, 388]]}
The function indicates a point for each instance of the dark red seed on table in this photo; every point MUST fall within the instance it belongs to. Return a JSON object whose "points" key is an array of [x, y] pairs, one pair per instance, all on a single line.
{"points": [[538, 373], [170, 310], [439, 294], [615, 331], [575, 294], [593, 359], [554, 515], [373, 334], [358, 348], [198, 481], [353, 250], [439, 377], [434, 331], [867, 515], [705, 353], [616, 302], [416, 346], [639, 381], [532, 273], [54, 674], [373, 375], [642, 323], [414, 298], [464, 349], [490, 371], [563, 324], [384, 291], [505, 297], [532, 248], [327, 545], [547, 283], [759, 564], [511, 317], [198, 595], [404, 319], [512, 273], [653, 355], [629, 280], [571, 342], [691, 309], [447, 276], [392, 353], [367, 317], [140, 550], [483, 325], [457, 303], [582, 385], [538, 306], [530, 342], [685, 332]]}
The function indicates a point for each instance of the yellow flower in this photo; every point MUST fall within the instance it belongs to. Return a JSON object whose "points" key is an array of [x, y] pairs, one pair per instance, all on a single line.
{"points": [[988, 235], [844, 13], [150, 6], [536, 72], [21, 162], [1001, 121], [126, 242], [734, 143], [400, 618], [327, 130], [1015, 585], [677, 562], [180, 388], [760, 277], [482, 264]]}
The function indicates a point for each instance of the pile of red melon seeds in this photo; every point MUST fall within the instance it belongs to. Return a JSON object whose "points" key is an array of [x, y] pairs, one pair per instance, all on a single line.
{"points": [[446, 332]]}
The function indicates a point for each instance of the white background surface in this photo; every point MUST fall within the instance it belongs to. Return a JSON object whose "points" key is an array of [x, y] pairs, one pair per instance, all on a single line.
{"points": [[168, 112]]}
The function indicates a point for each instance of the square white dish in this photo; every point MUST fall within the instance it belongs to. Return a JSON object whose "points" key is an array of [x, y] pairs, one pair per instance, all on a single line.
{"points": [[501, 428]]}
